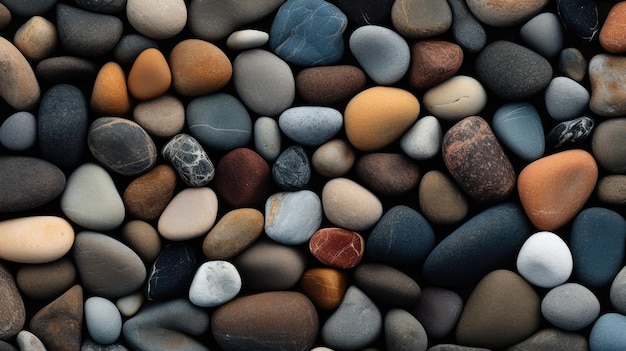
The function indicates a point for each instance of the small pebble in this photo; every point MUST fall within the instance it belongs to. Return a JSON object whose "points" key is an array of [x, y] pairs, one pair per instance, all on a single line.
{"points": [[388, 174], [455, 98], [573, 64], [157, 19], [404, 332], [267, 138], [150, 76], [421, 18], [432, 62], [545, 260], [188, 61], [37, 38], [605, 72], [129, 305], [440, 200], [438, 310], [19, 88], [29, 341], [233, 233], [570, 133], [579, 17], [565, 99], [611, 189], [143, 238], [423, 140], [109, 96], [337, 247], [19, 131], [292, 169], [189, 159], [147, 195], [243, 178], [324, 286], [518, 126], [544, 34], [609, 146], [247, 39], [349, 205], [466, 30], [214, 284], [333, 159], [310, 125], [387, 285], [171, 272], [85, 33], [46, 281], [325, 85]]}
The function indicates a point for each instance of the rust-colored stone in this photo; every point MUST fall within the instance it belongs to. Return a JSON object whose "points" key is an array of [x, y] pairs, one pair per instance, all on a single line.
{"points": [[150, 76], [432, 62], [148, 195], [324, 286], [337, 247], [242, 178], [199, 67]]}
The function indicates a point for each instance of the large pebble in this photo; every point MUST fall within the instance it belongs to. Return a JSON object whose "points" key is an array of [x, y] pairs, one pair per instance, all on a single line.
{"points": [[606, 333], [570, 306], [143, 238], [190, 214], [243, 178], [553, 189], [337, 247], [433, 61], [611, 189], [91, 200], [12, 310], [59, 324], [333, 159], [233, 233], [597, 240], [190, 160], [214, 283], [565, 99], [147, 196], [46, 281], [545, 260], [605, 73], [189, 60], [326, 85], [310, 125], [109, 96], [103, 320], [291, 218], [355, 324], [544, 34], [505, 13], [264, 82], [552, 340], [150, 76], [378, 116], [157, 19], [324, 286], [36, 239], [609, 146], [404, 332], [382, 53], [421, 18], [387, 285], [438, 310], [611, 37], [456, 98], [423, 140], [171, 273], [121, 145], [349, 205], [389, 174], [480, 245], [292, 169], [19, 131], [85, 33], [37, 38], [502, 310], [579, 17], [440, 200], [163, 117], [475, 159], [277, 320], [19, 8], [617, 291], [122, 272], [518, 126]]}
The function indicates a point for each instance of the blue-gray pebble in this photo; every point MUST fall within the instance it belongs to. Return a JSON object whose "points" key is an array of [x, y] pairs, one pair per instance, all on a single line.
{"points": [[597, 243], [310, 125], [19, 131], [171, 272], [570, 306], [28, 8], [608, 334], [219, 121], [484, 243], [401, 236], [404, 332], [86, 33], [308, 32], [292, 169], [565, 99], [130, 46], [518, 126], [544, 34], [468, 32], [291, 218]]}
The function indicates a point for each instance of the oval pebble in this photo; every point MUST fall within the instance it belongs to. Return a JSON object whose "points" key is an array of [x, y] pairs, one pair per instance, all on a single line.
{"points": [[565, 98], [157, 19], [403, 331], [423, 140], [109, 96], [190, 214], [85, 33], [433, 61], [19, 8], [310, 125], [610, 37], [388, 174], [573, 64], [440, 200], [247, 39], [337, 247], [150, 75], [612, 189], [571, 132], [66, 70], [130, 305], [190, 160], [608, 145], [455, 98], [606, 332], [349, 205], [544, 34], [545, 260], [324, 286], [242, 178], [605, 72], [189, 60], [267, 138], [19, 131], [147, 195], [468, 32], [162, 117], [387, 285], [171, 272], [29, 341], [143, 238], [333, 159], [325, 85], [579, 17], [570, 306], [46, 281], [13, 314], [553, 339], [438, 310], [214, 284], [518, 126], [103, 320], [505, 13], [291, 218], [37, 38], [421, 19], [233, 233]]}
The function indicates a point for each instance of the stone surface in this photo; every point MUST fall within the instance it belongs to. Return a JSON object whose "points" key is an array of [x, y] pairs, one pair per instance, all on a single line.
{"points": [[433, 61], [189, 159], [366, 12], [545, 260], [109, 96], [466, 30], [85, 33], [130, 46], [35, 239], [421, 19], [423, 140], [214, 283], [147, 195], [171, 273], [505, 13], [570, 306], [349, 205], [29, 341], [611, 36], [19, 8], [324, 286], [552, 340], [150, 76], [233, 233], [247, 39], [404, 332], [102, 6], [617, 291], [455, 98], [267, 138], [337, 247], [605, 73], [143, 238], [387, 285], [291, 218], [59, 324], [573, 64], [608, 147], [189, 60], [66, 69], [440, 200], [37, 38], [570, 133], [326, 85], [579, 17], [243, 178], [605, 334], [103, 320], [334, 158], [544, 34], [292, 169], [190, 214], [13, 312], [19, 131], [157, 19], [388, 174], [438, 310], [310, 125], [612, 189], [46, 281], [565, 99], [129, 305], [518, 126]]}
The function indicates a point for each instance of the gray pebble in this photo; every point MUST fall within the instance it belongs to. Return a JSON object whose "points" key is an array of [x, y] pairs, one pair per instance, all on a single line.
{"points": [[267, 138], [19, 131], [310, 125], [570, 306], [565, 99], [544, 34], [382, 53]]}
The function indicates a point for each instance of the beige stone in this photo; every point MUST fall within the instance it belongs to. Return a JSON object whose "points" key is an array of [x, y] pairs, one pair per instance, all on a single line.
{"points": [[37, 38], [349, 205], [37, 239], [190, 214]]}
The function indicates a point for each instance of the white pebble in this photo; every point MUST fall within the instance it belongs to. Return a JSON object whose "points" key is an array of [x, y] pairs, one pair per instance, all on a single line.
{"points": [[247, 39], [215, 283], [545, 260]]}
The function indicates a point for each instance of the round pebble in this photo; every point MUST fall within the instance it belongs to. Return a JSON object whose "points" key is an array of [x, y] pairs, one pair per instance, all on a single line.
{"points": [[143, 239], [324, 286], [214, 284], [382, 53], [440, 200], [337, 247], [267, 138], [349, 205], [157, 19], [190, 160], [387, 285], [19, 131], [103, 320], [150, 76], [329, 84], [147, 195], [608, 147], [420, 19], [565, 98], [243, 178], [604, 72], [310, 125], [518, 126], [19, 74], [37, 38], [570, 306], [612, 189], [247, 39], [188, 61], [455, 98], [545, 260], [423, 140], [46, 281], [403, 331], [334, 158], [110, 93], [284, 219], [573, 64], [432, 62], [233, 233], [190, 214], [605, 333], [292, 169], [438, 310], [388, 174]]}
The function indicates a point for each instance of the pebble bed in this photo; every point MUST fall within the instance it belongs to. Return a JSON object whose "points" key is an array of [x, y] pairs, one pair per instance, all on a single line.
{"points": [[312, 175]]}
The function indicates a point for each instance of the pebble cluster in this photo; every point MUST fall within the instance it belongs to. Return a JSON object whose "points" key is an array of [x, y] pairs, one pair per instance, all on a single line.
{"points": [[312, 175]]}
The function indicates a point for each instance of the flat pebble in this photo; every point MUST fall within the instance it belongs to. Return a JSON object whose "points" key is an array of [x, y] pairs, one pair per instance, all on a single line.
{"points": [[611, 189], [570, 306], [545, 260], [85, 33], [433, 61], [109, 96], [423, 140], [190, 214], [37, 38], [579, 17], [438, 311], [605, 72], [324, 286], [29, 341], [382, 53], [505, 13], [157, 19], [91, 200], [150, 76], [565, 98], [267, 138], [404, 332], [608, 146], [247, 39], [171, 273], [243, 178], [337, 247], [233, 233], [214, 284], [19, 131], [146, 196], [518, 126], [103, 320], [291, 218], [189, 60], [421, 19], [387, 285], [46, 281], [189, 159], [440, 200], [310, 125], [326, 85], [334, 158], [19, 74], [349, 205], [573, 64], [388, 174], [455, 98], [552, 340], [143, 238], [544, 34], [570, 133], [611, 37], [292, 169], [13, 312], [606, 332], [59, 324], [466, 30]]}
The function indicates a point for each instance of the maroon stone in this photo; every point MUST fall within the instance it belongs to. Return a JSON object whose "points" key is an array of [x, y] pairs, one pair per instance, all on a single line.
{"points": [[337, 247], [432, 62], [329, 84], [242, 178]]}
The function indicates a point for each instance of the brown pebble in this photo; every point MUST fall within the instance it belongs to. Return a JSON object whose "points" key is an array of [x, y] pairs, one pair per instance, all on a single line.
{"points": [[12, 311], [608, 145], [5, 16], [612, 189], [147, 196], [324, 286], [233, 233], [48, 280], [337, 247], [59, 324], [143, 238], [37, 38], [199, 67], [109, 96], [242, 178], [612, 36], [607, 75], [388, 174], [441, 201], [163, 117], [19, 86], [329, 84], [334, 158], [432, 62], [150, 76]]}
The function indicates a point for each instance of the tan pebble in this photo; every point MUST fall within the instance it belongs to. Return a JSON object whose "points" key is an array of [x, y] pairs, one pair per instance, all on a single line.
{"points": [[199, 67], [441, 201], [456, 98], [18, 86], [612, 189], [349, 205], [48, 280], [37, 239], [190, 214], [334, 158], [163, 117], [129, 305], [505, 13], [110, 94], [378, 116], [147, 196], [5, 16], [554, 188], [150, 76], [37, 38], [612, 35], [143, 239], [233, 233]]}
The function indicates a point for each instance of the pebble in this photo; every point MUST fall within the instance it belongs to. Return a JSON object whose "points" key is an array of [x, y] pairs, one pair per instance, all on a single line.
{"points": [[102, 6], [171, 273], [143, 239], [404, 332], [121, 145], [438, 310], [611, 189], [476, 160], [264, 82], [382, 53], [123, 273], [157, 19], [333, 159], [13, 312], [189, 60], [387, 285], [565, 99], [147, 196], [284, 219], [87, 34], [109, 96], [518, 126], [570, 306], [89, 345], [553, 340], [46, 281], [466, 30], [5, 16], [168, 326], [611, 37], [58, 325], [19, 131], [29, 341], [103, 320], [310, 125], [66, 69], [453, 347], [440, 200], [278, 319], [570, 133], [505, 13], [308, 32], [130, 46], [579, 17], [366, 11], [268, 265], [605, 73], [326, 85], [234, 232], [214, 284], [35, 239], [337, 247], [36, 39], [455, 98], [402, 236], [355, 324], [150, 76], [608, 145], [606, 332], [502, 310], [479, 246], [421, 19], [349, 205], [554, 188], [545, 260], [527, 72], [190, 214], [378, 116], [19, 8], [247, 39], [243, 178], [597, 243], [324, 286], [432, 62], [573, 64], [292, 169], [62, 125], [267, 138], [388, 174], [130, 304], [423, 140], [617, 291], [189, 159], [544, 34]]}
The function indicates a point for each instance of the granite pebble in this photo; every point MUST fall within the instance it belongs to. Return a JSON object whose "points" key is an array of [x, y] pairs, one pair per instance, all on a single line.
{"points": [[189, 159], [292, 169], [570, 133]]}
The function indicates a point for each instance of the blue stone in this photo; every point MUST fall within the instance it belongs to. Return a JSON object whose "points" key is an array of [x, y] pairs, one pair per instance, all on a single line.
{"points": [[571, 132], [579, 17], [468, 32], [171, 272], [487, 242], [308, 32], [292, 169], [597, 243], [310, 125], [219, 121], [401, 236], [518, 126], [608, 334]]}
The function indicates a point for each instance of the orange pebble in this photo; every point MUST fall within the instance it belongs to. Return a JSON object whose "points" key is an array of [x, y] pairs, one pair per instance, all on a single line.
{"points": [[150, 76], [613, 33], [324, 286], [110, 95], [199, 67]]}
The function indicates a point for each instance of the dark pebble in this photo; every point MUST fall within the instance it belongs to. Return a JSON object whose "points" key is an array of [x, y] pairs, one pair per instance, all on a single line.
{"points": [[66, 69], [366, 11], [552, 340], [28, 8], [387, 285], [171, 272], [292, 169], [102, 6], [438, 310], [570, 133], [243, 178], [467, 31], [130, 46], [190, 160], [579, 17], [389, 174]]}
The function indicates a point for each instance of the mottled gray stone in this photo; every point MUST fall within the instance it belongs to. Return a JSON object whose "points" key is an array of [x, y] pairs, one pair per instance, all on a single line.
{"points": [[190, 160]]}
